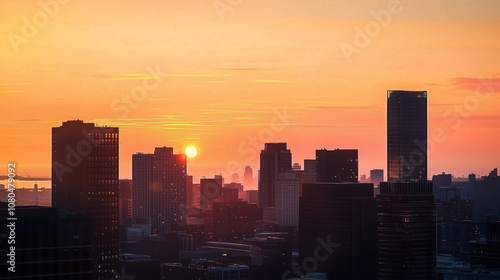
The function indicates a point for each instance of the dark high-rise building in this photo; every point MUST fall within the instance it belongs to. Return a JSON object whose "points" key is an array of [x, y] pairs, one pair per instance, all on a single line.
{"points": [[125, 202], [337, 165], [234, 219], [376, 176], [310, 165], [159, 193], [455, 228], [274, 159], [189, 190], [85, 181], [50, 244], [487, 251], [248, 177], [210, 190], [406, 231], [338, 230], [406, 135]]}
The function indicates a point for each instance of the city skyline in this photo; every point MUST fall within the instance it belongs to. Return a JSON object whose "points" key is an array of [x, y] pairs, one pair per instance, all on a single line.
{"points": [[220, 89]]}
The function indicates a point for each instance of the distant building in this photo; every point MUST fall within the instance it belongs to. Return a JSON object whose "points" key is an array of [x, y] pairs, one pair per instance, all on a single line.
{"points": [[189, 190], [286, 203], [308, 175], [485, 193], [376, 176], [252, 196], [125, 202], [455, 228], [235, 178], [344, 216], [337, 165], [248, 177], [487, 251], [210, 190], [310, 165], [159, 192], [234, 219], [274, 159]]}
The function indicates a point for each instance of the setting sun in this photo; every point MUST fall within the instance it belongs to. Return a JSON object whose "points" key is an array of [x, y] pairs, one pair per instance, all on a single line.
{"points": [[191, 152]]}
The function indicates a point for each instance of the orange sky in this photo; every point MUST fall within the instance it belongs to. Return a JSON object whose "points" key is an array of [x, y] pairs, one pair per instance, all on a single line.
{"points": [[214, 79]]}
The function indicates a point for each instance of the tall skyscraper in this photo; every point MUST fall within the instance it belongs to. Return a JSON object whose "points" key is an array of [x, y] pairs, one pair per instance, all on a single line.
{"points": [[159, 193], [274, 159], [406, 209], [406, 135], [85, 181], [337, 165], [407, 231], [338, 230], [248, 177]]}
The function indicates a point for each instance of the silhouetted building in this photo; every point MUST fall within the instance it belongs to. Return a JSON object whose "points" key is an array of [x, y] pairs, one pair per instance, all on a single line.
{"points": [[139, 267], [487, 251], [308, 175], [125, 202], [234, 219], [210, 190], [159, 193], [338, 230], [406, 231], [406, 135], [376, 176], [248, 177], [271, 257], [485, 193], [85, 181], [337, 165], [228, 195], [274, 159], [455, 228], [189, 190], [204, 270], [251, 196], [50, 244]]}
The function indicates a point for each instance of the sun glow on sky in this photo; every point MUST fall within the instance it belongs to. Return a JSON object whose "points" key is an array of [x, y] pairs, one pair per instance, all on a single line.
{"points": [[191, 152], [171, 73]]}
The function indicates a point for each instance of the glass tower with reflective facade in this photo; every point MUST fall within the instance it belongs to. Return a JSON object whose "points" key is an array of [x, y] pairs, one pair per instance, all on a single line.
{"points": [[406, 135]]}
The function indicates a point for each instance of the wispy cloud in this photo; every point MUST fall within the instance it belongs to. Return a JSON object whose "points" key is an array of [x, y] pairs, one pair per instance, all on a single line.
{"points": [[491, 84], [268, 81], [14, 91], [198, 75], [17, 84], [247, 69], [328, 108], [134, 77]]}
